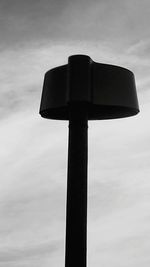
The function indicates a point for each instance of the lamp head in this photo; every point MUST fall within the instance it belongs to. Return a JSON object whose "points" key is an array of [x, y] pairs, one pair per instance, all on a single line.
{"points": [[109, 91]]}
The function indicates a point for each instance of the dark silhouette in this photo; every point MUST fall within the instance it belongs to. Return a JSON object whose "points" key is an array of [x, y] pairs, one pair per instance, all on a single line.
{"points": [[80, 91]]}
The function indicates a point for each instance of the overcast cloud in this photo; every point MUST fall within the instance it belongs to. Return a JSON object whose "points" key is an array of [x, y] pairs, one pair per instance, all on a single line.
{"points": [[34, 37]]}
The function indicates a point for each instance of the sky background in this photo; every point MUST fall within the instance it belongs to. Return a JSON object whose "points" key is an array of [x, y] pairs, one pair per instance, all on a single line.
{"points": [[34, 37]]}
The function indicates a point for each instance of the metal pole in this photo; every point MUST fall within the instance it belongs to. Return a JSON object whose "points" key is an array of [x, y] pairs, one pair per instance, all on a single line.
{"points": [[76, 214]]}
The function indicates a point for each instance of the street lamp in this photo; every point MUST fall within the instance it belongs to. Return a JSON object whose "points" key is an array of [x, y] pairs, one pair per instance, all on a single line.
{"points": [[79, 91]]}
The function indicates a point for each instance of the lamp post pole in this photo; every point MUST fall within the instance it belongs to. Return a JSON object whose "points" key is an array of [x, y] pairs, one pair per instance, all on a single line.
{"points": [[80, 91], [76, 219]]}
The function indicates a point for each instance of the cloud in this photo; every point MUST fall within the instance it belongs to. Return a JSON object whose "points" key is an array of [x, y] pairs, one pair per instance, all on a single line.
{"points": [[117, 22], [119, 191], [141, 48], [32, 193], [31, 251], [22, 21], [37, 36]]}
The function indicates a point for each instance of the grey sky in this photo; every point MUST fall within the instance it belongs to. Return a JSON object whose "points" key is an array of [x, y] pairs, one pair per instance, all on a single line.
{"points": [[37, 21], [34, 37]]}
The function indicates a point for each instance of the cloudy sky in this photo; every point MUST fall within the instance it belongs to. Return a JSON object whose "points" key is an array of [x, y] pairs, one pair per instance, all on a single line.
{"points": [[36, 35]]}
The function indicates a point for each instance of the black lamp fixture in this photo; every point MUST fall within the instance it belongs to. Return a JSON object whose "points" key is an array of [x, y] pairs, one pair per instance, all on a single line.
{"points": [[79, 91]]}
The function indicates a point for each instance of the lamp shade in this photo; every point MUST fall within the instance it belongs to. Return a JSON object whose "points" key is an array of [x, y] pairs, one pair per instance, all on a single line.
{"points": [[109, 91]]}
